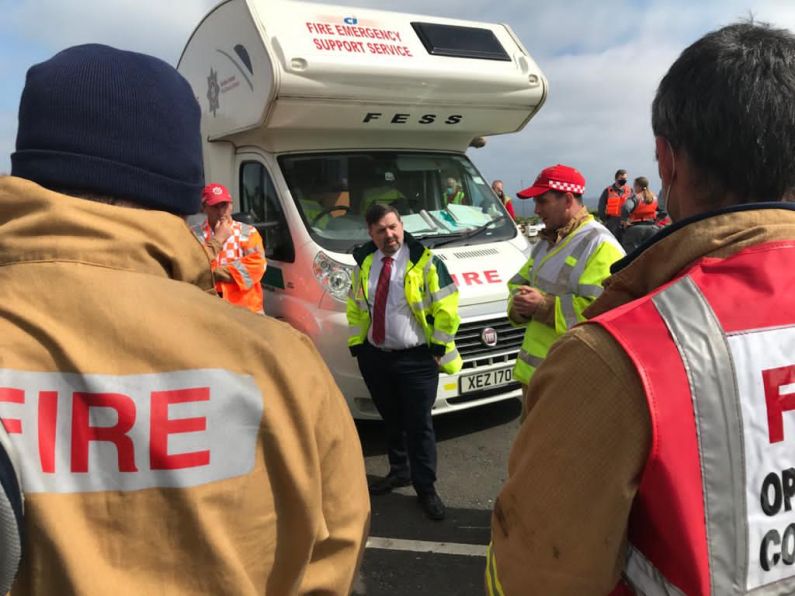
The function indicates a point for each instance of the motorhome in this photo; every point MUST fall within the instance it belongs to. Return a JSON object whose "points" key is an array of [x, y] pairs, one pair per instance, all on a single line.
{"points": [[312, 112]]}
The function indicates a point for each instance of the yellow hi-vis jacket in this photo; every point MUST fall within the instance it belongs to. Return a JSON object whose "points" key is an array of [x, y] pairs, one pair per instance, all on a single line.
{"points": [[430, 291], [572, 270]]}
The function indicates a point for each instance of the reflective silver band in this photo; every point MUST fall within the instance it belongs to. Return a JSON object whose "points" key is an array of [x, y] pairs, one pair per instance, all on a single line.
{"points": [[354, 331], [444, 292], [703, 348], [567, 308], [645, 578], [240, 268], [589, 290], [442, 337], [533, 361], [449, 357]]}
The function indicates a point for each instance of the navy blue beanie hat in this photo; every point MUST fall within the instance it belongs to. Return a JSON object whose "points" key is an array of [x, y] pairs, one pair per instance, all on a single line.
{"points": [[111, 123]]}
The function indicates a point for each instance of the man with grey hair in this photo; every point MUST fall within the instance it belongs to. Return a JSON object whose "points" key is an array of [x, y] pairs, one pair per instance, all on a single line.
{"points": [[662, 443]]}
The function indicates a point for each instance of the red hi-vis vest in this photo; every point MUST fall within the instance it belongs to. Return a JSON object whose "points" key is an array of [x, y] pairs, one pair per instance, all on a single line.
{"points": [[715, 351], [616, 200]]}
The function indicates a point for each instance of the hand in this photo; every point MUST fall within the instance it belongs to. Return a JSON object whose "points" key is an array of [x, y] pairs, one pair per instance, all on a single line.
{"points": [[438, 360], [526, 301], [223, 229]]}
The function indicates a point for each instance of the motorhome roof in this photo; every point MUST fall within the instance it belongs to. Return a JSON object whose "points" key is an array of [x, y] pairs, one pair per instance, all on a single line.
{"points": [[278, 71]]}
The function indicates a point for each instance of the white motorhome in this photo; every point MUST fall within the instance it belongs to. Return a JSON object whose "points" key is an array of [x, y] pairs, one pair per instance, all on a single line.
{"points": [[312, 112]]}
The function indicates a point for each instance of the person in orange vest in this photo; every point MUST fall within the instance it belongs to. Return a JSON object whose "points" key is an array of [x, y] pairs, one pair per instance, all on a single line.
{"points": [[506, 201], [639, 214], [237, 251], [660, 455], [612, 200]]}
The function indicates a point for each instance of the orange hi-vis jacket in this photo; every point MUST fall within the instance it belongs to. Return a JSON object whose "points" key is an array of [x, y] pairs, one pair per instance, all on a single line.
{"points": [[616, 200], [643, 211], [169, 443], [243, 257]]}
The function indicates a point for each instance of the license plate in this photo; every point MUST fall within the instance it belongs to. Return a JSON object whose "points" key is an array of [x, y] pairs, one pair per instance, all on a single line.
{"points": [[486, 380]]}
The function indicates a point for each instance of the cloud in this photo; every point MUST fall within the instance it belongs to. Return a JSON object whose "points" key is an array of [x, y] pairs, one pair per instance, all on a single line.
{"points": [[151, 26], [603, 61]]}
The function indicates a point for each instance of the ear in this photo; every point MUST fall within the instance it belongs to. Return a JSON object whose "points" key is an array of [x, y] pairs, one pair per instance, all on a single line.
{"points": [[666, 162]]}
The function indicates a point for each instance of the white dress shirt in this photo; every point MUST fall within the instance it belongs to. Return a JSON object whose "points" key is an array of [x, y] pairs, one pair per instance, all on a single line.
{"points": [[402, 330]]}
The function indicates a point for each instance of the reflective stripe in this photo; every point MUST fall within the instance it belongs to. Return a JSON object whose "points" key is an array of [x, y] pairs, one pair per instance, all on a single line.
{"points": [[444, 292], [492, 580], [533, 361], [590, 290], [418, 306], [442, 337], [362, 305], [645, 578], [716, 404], [354, 331], [554, 288], [240, 268], [583, 241], [567, 307], [245, 232], [449, 357], [250, 250]]}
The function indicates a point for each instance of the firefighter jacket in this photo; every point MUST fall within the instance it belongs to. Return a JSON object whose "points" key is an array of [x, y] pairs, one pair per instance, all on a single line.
{"points": [[242, 256], [670, 428], [570, 272], [710, 515], [169, 443], [430, 292]]}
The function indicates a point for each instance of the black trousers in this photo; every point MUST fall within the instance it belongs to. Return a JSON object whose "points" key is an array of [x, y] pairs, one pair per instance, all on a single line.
{"points": [[403, 387]]}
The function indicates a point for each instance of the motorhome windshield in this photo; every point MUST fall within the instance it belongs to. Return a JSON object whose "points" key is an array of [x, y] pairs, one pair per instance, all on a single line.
{"points": [[441, 197]]}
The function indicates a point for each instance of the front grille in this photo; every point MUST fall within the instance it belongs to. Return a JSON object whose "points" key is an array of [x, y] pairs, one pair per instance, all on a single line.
{"points": [[476, 354]]}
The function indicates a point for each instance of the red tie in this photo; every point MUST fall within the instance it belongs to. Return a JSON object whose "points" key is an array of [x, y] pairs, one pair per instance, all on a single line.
{"points": [[379, 309]]}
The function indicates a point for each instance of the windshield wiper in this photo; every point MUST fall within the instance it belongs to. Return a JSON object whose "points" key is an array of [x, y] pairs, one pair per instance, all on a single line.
{"points": [[472, 233]]}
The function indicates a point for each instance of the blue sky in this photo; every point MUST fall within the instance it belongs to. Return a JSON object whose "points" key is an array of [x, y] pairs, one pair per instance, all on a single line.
{"points": [[603, 61]]}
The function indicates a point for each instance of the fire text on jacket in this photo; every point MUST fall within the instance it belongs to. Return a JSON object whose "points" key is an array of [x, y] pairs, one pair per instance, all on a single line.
{"points": [[82, 433]]}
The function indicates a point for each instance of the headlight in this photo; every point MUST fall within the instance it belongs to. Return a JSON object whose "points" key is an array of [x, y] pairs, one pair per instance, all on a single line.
{"points": [[333, 276]]}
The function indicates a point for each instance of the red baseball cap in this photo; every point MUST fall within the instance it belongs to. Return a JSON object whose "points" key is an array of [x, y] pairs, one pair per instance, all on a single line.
{"points": [[559, 177], [215, 193]]}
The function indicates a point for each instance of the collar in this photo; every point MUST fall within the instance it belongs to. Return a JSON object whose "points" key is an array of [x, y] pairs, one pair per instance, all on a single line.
{"points": [[555, 236], [37, 224], [675, 227], [717, 233]]}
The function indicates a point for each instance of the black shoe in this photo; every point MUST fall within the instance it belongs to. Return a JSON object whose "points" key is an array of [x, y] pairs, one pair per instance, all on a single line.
{"points": [[386, 484], [433, 506]]}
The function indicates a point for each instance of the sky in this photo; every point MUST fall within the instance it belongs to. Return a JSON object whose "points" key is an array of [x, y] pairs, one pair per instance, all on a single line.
{"points": [[603, 61]]}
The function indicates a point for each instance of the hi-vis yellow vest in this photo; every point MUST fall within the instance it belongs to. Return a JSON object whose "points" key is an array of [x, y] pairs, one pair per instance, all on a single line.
{"points": [[571, 270], [431, 294]]}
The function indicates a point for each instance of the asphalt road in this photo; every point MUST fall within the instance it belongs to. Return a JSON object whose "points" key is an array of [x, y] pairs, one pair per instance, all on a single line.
{"points": [[409, 554]]}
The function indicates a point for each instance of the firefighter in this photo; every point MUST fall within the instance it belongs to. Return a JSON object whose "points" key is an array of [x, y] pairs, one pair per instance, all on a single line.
{"points": [[565, 271], [167, 442], [660, 457]]}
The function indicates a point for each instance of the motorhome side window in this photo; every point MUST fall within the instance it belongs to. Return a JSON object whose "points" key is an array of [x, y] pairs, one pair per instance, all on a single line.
{"points": [[258, 199], [440, 197]]}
